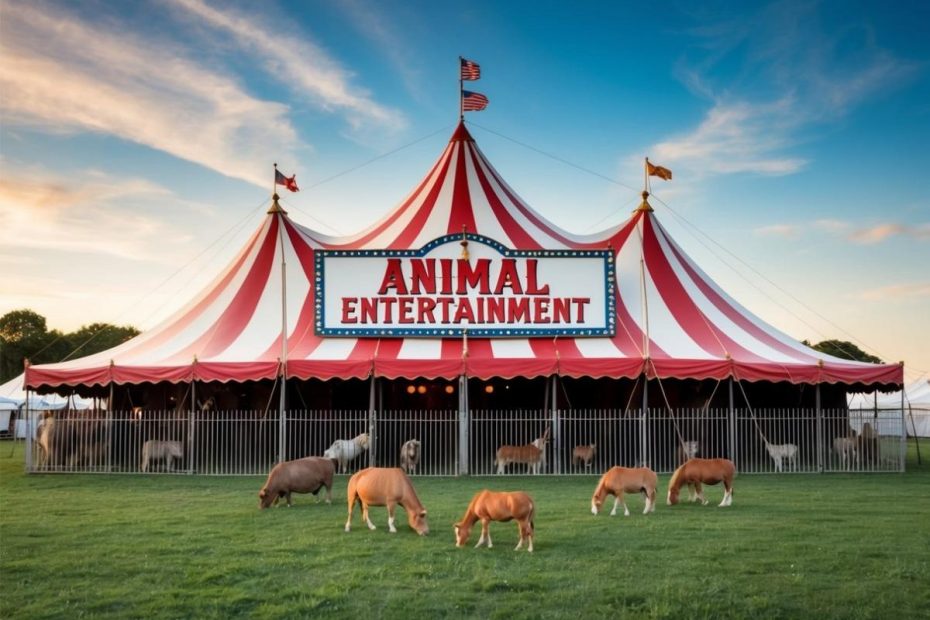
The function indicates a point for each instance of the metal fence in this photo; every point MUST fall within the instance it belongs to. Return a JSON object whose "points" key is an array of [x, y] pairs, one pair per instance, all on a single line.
{"points": [[578, 441]]}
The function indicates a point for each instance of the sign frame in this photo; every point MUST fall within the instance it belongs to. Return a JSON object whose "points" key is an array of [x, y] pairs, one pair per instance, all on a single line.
{"points": [[448, 331]]}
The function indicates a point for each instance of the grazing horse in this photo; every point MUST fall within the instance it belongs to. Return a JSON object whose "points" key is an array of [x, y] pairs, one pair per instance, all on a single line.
{"points": [[386, 486], [487, 506], [619, 480], [533, 454], [696, 472]]}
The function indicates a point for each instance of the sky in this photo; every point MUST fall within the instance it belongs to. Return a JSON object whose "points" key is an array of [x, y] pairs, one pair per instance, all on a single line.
{"points": [[137, 141]]}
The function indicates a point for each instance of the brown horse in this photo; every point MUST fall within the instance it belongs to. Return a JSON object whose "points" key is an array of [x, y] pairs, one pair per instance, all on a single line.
{"points": [[619, 480], [697, 472], [386, 486], [488, 506]]}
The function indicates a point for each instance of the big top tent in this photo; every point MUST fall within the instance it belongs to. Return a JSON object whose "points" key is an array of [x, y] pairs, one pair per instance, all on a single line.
{"points": [[261, 318]]}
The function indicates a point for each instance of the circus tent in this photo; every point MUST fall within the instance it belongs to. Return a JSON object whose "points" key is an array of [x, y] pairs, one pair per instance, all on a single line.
{"points": [[258, 318]]}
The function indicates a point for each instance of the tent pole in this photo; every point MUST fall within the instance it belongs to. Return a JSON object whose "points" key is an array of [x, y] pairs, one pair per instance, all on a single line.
{"points": [[30, 466], [110, 428], [732, 416], [463, 426], [190, 427], [819, 415], [372, 421], [643, 449], [556, 435]]}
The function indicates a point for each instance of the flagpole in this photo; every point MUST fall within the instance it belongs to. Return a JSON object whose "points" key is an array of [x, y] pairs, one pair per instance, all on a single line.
{"points": [[646, 174], [274, 185], [461, 92]]}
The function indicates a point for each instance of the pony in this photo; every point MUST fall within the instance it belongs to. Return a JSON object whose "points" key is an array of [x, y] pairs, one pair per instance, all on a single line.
{"points": [[161, 450], [410, 455], [583, 454], [386, 486], [306, 475], [487, 506], [619, 480], [696, 472], [345, 450], [533, 454], [847, 448], [783, 451]]}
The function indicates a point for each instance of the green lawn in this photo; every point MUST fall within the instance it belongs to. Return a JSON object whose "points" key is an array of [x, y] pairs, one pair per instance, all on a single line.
{"points": [[174, 546]]}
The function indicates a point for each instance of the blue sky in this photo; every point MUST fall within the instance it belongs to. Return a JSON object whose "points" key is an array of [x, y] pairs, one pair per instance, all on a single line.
{"points": [[136, 140]]}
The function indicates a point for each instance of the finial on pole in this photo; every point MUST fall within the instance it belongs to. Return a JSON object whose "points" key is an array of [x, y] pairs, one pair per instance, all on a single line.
{"points": [[464, 243], [644, 205], [275, 205]]}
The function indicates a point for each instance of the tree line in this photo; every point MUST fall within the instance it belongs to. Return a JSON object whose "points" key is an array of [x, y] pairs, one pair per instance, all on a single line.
{"points": [[24, 334]]}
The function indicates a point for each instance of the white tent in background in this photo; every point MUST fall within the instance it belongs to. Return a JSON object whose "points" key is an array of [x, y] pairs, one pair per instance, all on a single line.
{"points": [[916, 404], [13, 399]]}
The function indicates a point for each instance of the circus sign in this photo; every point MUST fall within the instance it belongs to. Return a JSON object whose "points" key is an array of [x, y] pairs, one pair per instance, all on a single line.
{"points": [[461, 284]]}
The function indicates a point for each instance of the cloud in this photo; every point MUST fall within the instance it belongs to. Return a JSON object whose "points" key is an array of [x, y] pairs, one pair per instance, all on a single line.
{"points": [[778, 230], [375, 25], [898, 291], [881, 232], [87, 214], [734, 137], [771, 75], [60, 74], [298, 63], [876, 234]]}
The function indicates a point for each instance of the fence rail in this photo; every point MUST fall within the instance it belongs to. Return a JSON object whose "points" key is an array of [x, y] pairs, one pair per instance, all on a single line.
{"points": [[574, 441]]}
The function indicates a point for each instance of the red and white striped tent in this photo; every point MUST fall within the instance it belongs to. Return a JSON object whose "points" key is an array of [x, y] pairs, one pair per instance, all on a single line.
{"points": [[672, 320]]}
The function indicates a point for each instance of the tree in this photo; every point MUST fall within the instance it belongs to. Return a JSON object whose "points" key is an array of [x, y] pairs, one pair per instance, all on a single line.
{"points": [[98, 337], [24, 335], [843, 350]]}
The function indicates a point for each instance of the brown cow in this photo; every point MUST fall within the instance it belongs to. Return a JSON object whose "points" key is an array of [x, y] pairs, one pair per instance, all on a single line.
{"points": [[307, 475], [386, 486], [487, 506]]}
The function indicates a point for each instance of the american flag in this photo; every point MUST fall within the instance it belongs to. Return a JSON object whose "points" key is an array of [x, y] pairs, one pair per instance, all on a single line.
{"points": [[473, 102], [470, 69], [288, 182]]}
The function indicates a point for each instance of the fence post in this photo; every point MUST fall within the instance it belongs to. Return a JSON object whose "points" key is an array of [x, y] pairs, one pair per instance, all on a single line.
{"points": [[372, 423], [30, 433], [190, 429], [556, 428], [463, 468], [819, 415], [903, 460], [732, 423], [643, 446]]}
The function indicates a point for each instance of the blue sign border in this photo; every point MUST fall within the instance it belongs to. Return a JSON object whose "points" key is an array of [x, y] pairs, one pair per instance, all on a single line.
{"points": [[458, 332]]}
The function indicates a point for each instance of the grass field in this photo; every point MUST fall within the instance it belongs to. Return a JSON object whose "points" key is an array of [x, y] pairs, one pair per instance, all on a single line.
{"points": [[851, 546]]}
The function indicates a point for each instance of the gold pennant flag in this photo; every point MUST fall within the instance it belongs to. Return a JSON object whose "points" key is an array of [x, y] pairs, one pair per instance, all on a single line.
{"points": [[658, 171]]}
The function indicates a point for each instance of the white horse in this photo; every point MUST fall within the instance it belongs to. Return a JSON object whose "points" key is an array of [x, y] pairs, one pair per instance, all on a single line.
{"points": [[783, 451], [345, 450]]}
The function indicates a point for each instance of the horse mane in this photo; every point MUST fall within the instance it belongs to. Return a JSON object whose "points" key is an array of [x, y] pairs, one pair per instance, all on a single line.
{"points": [[674, 482]]}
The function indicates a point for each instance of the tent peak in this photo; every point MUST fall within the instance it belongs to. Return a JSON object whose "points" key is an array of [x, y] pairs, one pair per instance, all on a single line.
{"points": [[461, 134], [275, 206]]}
